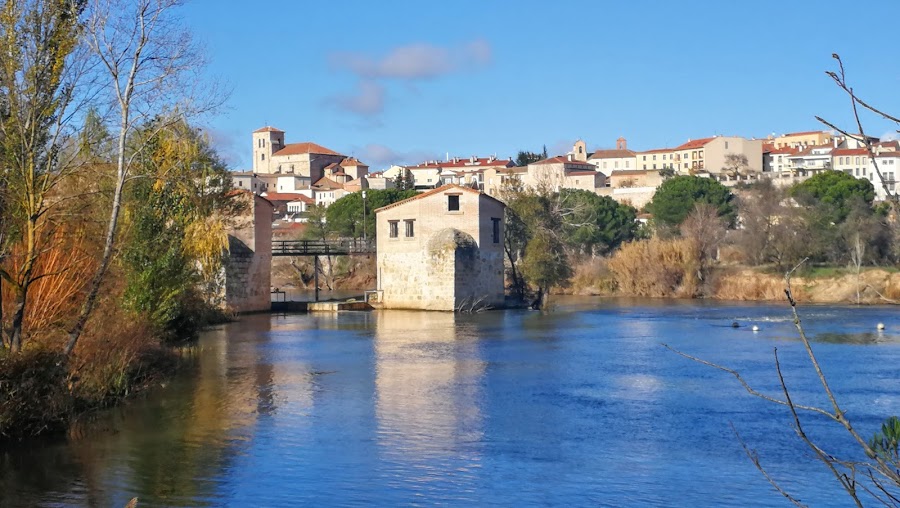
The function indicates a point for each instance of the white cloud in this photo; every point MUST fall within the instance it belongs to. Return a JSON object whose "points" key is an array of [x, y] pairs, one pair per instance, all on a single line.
{"points": [[367, 100], [415, 61], [890, 136], [407, 64]]}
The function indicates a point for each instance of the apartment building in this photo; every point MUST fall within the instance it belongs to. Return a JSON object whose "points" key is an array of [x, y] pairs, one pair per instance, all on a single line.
{"points": [[801, 140]]}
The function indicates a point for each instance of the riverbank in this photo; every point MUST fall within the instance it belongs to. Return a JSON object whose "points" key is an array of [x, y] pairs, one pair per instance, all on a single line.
{"points": [[817, 285]]}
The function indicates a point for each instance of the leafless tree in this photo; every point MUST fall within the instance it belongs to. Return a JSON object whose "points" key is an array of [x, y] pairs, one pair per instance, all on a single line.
{"points": [[151, 66], [705, 230], [44, 84], [856, 103], [877, 477]]}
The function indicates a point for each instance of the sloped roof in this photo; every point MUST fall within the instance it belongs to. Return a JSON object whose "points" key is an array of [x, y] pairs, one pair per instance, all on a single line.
{"points": [[305, 147], [696, 143], [658, 150], [327, 183], [561, 159], [350, 162], [464, 163], [612, 154], [850, 151], [439, 190], [268, 128], [283, 196]]}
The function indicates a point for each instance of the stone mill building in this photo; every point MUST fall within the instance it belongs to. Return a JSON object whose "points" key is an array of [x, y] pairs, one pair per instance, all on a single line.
{"points": [[441, 250]]}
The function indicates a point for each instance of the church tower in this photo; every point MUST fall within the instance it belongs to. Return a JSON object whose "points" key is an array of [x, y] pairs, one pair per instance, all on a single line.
{"points": [[266, 141], [580, 151]]}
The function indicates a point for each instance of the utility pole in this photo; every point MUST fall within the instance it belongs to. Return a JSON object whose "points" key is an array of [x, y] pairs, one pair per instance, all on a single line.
{"points": [[365, 241]]}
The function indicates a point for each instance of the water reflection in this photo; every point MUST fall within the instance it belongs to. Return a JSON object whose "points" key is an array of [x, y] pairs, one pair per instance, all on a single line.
{"points": [[428, 387]]}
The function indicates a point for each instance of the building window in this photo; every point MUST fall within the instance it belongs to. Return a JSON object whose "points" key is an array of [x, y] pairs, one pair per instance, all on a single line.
{"points": [[240, 183], [645, 157], [495, 223], [410, 227], [453, 203], [654, 157], [262, 156], [394, 228], [726, 145]]}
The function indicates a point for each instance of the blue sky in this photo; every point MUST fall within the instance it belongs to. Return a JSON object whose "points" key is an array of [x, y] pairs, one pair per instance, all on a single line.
{"points": [[398, 81]]}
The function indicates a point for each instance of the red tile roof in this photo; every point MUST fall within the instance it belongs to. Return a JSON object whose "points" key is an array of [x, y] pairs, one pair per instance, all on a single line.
{"points": [[696, 143], [268, 129], [781, 151], [612, 154], [350, 162], [443, 188], [301, 148], [584, 173], [284, 196], [464, 163], [850, 151], [658, 150], [327, 183]]}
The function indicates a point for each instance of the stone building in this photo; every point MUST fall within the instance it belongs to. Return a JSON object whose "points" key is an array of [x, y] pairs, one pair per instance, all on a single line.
{"points": [[248, 268], [305, 160], [441, 250]]}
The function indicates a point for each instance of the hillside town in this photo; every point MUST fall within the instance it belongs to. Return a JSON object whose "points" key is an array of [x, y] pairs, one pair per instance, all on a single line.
{"points": [[296, 176]]}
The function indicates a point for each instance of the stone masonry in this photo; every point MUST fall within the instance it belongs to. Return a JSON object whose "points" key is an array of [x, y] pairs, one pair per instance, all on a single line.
{"points": [[441, 250], [248, 268]]}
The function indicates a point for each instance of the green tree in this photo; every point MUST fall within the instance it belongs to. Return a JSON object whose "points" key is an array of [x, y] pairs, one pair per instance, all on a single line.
{"points": [[177, 215], [409, 180], [344, 217], [534, 229], [596, 224], [678, 196], [525, 158], [834, 194]]}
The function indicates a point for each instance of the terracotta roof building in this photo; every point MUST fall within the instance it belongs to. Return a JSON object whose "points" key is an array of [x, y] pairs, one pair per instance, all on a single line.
{"points": [[307, 160]]}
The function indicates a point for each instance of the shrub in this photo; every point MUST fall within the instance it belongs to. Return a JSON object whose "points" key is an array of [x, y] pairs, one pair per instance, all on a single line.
{"points": [[656, 268]]}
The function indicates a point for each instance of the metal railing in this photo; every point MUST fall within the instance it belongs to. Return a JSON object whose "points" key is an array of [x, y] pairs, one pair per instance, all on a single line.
{"points": [[341, 247]]}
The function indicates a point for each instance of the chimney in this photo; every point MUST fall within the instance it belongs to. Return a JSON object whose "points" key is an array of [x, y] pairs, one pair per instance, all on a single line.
{"points": [[570, 157]]}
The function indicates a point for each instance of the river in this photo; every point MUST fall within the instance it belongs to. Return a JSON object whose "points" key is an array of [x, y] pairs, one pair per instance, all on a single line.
{"points": [[579, 406]]}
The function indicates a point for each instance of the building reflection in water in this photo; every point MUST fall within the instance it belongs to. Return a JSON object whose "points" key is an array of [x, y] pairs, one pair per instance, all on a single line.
{"points": [[429, 375]]}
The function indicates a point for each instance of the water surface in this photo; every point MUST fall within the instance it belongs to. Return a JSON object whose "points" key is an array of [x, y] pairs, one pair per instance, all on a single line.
{"points": [[580, 406]]}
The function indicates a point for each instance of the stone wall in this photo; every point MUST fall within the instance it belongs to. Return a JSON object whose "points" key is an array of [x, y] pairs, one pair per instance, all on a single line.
{"points": [[248, 268], [450, 261]]}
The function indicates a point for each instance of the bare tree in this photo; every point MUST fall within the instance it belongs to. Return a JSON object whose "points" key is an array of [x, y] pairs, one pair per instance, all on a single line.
{"points": [[856, 103], [736, 164], [41, 77], [877, 477], [151, 66], [705, 230]]}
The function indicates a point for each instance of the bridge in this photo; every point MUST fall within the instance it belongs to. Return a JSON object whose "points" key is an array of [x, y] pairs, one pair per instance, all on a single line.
{"points": [[315, 248]]}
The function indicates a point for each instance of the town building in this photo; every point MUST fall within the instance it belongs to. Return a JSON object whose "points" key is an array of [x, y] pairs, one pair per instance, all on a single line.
{"points": [[801, 140], [659, 158], [610, 161], [459, 171], [441, 250], [712, 155], [307, 160]]}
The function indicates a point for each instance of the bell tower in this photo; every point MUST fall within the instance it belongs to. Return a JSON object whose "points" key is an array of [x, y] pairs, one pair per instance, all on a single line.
{"points": [[266, 141]]}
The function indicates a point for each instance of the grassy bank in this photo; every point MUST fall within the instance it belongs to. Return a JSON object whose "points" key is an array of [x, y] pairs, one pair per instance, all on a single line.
{"points": [[666, 273]]}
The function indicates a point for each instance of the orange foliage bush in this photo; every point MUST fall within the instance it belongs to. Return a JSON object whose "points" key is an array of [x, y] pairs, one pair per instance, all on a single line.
{"points": [[656, 268]]}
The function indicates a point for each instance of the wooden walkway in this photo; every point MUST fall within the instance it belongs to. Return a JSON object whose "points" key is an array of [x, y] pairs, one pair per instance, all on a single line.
{"points": [[321, 248]]}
